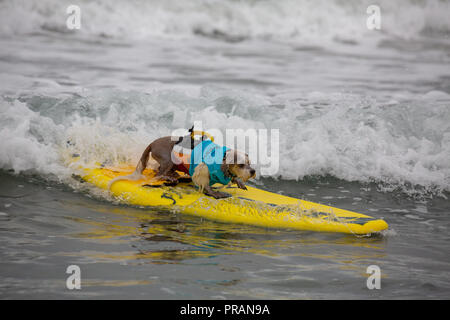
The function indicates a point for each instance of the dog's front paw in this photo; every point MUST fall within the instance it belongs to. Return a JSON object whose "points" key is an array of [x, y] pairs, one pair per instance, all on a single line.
{"points": [[240, 184], [218, 194]]}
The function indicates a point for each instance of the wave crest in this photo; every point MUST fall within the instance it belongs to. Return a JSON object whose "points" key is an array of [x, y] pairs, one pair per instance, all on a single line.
{"points": [[307, 21], [397, 143]]}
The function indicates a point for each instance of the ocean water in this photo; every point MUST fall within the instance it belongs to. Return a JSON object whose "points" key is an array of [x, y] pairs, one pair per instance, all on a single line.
{"points": [[364, 124]]}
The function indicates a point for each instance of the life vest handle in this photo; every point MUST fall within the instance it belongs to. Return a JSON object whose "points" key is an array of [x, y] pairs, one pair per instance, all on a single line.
{"points": [[201, 133]]}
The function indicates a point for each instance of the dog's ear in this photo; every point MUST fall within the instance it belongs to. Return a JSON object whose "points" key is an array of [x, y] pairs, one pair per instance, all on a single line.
{"points": [[230, 157]]}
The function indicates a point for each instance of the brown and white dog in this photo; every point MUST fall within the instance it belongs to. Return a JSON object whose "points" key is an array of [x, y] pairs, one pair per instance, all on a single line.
{"points": [[235, 165]]}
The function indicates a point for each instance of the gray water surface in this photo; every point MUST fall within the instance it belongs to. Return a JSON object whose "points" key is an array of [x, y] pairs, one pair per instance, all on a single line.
{"points": [[133, 253]]}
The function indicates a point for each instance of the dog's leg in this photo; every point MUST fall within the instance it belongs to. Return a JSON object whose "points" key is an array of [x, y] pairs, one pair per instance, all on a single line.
{"points": [[239, 183], [201, 179], [162, 153], [216, 194], [142, 164], [171, 177], [167, 171]]}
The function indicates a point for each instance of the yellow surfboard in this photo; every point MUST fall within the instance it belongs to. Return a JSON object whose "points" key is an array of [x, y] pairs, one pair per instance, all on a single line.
{"points": [[253, 206]]}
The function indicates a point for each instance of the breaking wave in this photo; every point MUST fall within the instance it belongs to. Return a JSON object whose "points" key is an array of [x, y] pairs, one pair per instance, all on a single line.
{"points": [[396, 143]]}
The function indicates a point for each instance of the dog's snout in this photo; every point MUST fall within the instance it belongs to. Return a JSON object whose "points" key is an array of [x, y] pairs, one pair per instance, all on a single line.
{"points": [[252, 171]]}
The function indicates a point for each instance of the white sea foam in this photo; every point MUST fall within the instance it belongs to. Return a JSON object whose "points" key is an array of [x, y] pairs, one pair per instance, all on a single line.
{"points": [[28, 140]]}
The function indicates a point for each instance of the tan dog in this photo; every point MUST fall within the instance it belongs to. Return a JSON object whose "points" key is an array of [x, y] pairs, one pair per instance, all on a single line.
{"points": [[171, 155]]}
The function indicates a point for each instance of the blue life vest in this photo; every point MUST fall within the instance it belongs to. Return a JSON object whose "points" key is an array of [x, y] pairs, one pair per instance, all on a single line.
{"points": [[212, 155]]}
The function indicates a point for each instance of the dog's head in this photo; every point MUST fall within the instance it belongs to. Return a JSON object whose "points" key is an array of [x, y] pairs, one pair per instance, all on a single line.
{"points": [[237, 164]]}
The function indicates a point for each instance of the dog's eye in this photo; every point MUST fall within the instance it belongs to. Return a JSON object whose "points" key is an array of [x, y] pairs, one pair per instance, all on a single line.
{"points": [[241, 165]]}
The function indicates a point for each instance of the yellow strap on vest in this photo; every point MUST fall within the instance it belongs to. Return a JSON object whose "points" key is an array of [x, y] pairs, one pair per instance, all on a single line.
{"points": [[201, 133]]}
